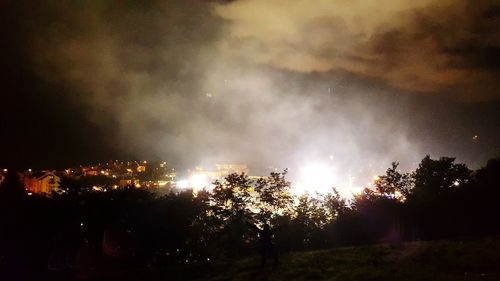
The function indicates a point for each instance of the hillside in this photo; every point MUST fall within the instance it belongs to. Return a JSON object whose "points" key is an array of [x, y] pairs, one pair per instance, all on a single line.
{"points": [[465, 259]]}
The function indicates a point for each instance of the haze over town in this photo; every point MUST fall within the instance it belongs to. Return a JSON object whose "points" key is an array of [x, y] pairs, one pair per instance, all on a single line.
{"points": [[199, 83]]}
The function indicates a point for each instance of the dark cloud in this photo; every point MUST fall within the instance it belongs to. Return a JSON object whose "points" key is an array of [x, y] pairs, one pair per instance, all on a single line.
{"points": [[456, 43], [422, 46]]}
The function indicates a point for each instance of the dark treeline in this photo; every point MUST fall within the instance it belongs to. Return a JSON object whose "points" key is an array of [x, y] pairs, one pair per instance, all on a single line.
{"points": [[136, 227]]}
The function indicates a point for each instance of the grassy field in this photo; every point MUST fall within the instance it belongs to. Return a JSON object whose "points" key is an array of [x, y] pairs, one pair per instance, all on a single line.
{"points": [[461, 259]]}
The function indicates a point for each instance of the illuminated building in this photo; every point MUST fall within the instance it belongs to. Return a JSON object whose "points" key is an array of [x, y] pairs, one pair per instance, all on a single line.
{"points": [[129, 182], [90, 172], [224, 170], [42, 183]]}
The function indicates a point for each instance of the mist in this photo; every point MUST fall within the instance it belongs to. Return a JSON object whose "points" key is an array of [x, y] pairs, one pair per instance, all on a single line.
{"points": [[216, 87]]}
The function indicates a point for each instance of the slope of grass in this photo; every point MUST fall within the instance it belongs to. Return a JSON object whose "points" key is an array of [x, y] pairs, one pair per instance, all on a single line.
{"points": [[470, 259]]}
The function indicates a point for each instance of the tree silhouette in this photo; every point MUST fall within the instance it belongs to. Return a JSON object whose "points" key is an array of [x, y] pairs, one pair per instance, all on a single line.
{"points": [[335, 204], [273, 197], [433, 177], [231, 197], [12, 189], [232, 200], [394, 183]]}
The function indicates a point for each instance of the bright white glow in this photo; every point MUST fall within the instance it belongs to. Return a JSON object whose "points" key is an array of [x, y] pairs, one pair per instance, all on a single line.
{"points": [[198, 181], [315, 178], [182, 184], [350, 192], [322, 177]]}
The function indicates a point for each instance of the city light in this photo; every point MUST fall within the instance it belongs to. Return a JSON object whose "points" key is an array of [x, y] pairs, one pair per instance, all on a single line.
{"points": [[162, 183]]}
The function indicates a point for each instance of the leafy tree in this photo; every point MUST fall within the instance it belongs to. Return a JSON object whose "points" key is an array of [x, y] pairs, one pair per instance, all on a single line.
{"points": [[11, 188], [273, 197], [231, 197], [394, 184], [231, 201], [335, 204], [437, 176], [311, 212], [365, 200], [310, 218], [489, 176]]}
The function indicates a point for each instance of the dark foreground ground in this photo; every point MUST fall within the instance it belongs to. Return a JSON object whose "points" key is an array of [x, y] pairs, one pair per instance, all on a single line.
{"points": [[461, 259]]}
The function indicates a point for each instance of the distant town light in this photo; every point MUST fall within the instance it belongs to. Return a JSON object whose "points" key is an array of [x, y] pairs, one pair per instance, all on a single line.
{"points": [[29, 193], [5, 170]]}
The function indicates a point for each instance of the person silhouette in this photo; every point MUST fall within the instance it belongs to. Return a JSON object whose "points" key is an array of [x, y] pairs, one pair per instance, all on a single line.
{"points": [[267, 248]]}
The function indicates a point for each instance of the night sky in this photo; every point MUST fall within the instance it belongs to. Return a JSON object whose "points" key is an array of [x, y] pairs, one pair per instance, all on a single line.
{"points": [[268, 83]]}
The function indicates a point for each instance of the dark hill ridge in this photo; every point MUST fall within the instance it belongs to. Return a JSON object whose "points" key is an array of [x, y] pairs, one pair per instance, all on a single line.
{"points": [[453, 260]]}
